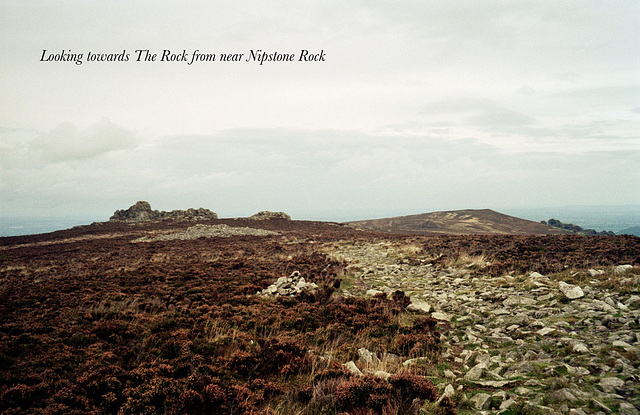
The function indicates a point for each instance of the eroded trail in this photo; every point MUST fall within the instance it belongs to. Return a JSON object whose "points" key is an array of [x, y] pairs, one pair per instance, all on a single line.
{"points": [[519, 340]]}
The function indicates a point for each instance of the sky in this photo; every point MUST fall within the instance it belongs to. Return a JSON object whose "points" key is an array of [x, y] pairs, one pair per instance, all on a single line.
{"points": [[414, 106]]}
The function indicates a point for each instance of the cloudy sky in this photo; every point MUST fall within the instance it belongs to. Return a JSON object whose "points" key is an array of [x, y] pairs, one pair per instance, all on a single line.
{"points": [[418, 106]]}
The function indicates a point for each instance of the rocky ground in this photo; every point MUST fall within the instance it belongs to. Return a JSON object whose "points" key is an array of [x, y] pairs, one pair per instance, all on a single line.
{"points": [[566, 342]]}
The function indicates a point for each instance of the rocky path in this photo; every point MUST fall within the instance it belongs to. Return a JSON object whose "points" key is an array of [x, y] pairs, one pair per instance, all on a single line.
{"points": [[566, 343]]}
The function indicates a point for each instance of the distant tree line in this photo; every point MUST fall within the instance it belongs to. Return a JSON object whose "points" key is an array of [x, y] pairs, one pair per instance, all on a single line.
{"points": [[575, 228]]}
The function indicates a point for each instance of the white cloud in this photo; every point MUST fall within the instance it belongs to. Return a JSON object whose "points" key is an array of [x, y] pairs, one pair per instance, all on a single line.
{"points": [[67, 143]]}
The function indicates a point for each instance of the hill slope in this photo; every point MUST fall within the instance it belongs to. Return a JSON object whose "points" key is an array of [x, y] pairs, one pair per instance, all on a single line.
{"points": [[458, 222]]}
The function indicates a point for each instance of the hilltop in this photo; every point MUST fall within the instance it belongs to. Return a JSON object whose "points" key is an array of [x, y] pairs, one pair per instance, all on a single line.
{"points": [[458, 222]]}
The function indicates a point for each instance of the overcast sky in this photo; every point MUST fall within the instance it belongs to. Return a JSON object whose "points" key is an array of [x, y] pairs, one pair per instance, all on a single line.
{"points": [[418, 106]]}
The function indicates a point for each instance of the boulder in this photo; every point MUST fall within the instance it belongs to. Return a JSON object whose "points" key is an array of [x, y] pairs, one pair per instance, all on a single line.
{"points": [[570, 291]]}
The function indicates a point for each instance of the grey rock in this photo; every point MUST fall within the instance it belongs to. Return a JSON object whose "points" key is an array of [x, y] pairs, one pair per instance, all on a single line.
{"points": [[579, 347], [610, 384], [570, 291], [628, 409], [367, 356], [504, 406], [475, 372], [599, 405], [562, 395], [621, 269], [441, 316], [419, 307], [481, 401], [351, 367]]}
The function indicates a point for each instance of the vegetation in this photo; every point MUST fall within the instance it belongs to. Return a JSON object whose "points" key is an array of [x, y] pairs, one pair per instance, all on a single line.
{"points": [[576, 229]]}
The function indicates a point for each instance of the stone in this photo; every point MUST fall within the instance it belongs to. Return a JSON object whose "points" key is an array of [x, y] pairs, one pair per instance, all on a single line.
{"points": [[372, 292], [351, 367], [475, 372], [441, 316], [578, 347], [367, 356], [545, 331], [523, 391], [494, 383], [570, 291], [381, 374], [449, 374], [628, 409], [419, 307], [481, 401], [504, 406], [599, 405], [561, 396], [416, 361], [621, 269], [449, 391], [624, 345], [610, 384]]}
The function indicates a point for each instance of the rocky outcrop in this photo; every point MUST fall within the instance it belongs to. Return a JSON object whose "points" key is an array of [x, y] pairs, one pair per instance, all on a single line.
{"points": [[288, 286], [141, 211], [266, 215]]}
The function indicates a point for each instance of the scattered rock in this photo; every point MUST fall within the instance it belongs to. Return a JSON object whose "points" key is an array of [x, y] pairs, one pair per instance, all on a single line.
{"points": [[207, 231], [288, 286]]}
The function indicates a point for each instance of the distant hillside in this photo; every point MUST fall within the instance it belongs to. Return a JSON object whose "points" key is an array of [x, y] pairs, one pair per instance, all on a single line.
{"points": [[633, 230], [458, 222]]}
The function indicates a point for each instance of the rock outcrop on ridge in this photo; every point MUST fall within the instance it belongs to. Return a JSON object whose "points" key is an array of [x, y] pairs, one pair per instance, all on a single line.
{"points": [[265, 215], [142, 211]]}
